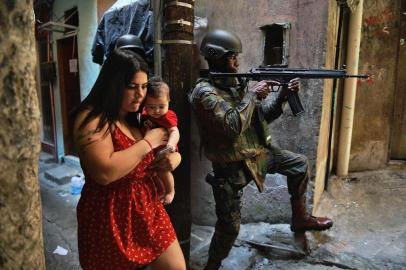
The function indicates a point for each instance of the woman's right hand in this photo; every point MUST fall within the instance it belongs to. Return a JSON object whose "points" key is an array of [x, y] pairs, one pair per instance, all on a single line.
{"points": [[156, 136]]}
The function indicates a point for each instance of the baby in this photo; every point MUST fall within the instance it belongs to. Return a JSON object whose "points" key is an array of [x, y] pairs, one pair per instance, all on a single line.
{"points": [[156, 113]]}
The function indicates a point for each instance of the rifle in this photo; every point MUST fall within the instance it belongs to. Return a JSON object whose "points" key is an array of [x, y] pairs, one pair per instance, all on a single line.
{"points": [[284, 75]]}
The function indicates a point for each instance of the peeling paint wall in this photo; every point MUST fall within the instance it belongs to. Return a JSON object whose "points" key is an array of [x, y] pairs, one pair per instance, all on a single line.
{"points": [[308, 21], [374, 101]]}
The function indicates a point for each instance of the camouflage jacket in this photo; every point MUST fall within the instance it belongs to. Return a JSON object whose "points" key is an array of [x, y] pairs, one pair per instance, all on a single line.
{"points": [[233, 124]]}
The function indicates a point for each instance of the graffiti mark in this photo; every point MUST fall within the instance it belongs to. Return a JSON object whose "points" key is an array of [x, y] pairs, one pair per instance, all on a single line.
{"points": [[387, 16], [376, 74], [385, 30], [370, 80], [379, 26]]}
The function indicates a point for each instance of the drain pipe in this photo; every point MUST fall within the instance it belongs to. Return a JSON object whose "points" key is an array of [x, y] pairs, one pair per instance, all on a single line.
{"points": [[350, 88], [157, 17]]}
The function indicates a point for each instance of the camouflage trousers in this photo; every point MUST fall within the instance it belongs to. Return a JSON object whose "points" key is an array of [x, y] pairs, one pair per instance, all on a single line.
{"points": [[227, 184]]}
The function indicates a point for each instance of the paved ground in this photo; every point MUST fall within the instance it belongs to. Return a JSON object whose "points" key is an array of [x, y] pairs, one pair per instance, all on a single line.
{"points": [[59, 219], [368, 208]]}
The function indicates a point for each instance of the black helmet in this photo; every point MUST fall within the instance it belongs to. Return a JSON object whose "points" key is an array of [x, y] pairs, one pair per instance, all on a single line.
{"points": [[130, 41], [218, 42]]}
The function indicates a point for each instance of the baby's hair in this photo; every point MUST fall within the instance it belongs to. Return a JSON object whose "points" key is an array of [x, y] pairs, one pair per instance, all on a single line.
{"points": [[156, 88]]}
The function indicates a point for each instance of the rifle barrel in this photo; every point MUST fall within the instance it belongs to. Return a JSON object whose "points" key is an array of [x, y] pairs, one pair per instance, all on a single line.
{"points": [[284, 75], [280, 73]]}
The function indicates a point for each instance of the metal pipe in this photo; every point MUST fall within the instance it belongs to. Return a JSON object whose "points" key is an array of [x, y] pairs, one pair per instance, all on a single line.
{"points": [[350, 88], [157, 15]]}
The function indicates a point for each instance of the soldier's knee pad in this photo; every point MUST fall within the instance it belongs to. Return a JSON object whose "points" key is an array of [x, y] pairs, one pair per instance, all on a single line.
{"points": [[301, 166], [303, 160]]}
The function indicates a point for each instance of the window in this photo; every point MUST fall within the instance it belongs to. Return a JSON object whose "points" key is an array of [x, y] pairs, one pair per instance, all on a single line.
{"points": [[276, 47]]}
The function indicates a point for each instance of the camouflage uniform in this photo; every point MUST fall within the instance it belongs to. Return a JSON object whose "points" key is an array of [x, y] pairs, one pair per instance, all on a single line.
{"points": [[234, 132]]}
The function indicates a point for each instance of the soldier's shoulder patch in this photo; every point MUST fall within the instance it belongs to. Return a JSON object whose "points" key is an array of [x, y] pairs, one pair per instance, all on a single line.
{"points": [[203, 89], [209, 99], [204, 94]]}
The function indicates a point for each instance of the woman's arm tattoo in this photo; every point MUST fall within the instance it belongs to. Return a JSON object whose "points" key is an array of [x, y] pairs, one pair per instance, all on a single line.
{"points": [[84, 139]]}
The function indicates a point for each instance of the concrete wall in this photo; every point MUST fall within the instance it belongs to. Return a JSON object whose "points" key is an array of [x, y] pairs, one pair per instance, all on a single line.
{"points": [[88, 70], [308, 21], [374, 102]]}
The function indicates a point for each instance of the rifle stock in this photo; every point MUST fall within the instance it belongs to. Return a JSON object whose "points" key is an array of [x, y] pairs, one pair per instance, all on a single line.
{"points": [[284, 75]]}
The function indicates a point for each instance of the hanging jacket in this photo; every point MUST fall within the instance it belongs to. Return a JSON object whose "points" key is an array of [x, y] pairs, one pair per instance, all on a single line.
{"points": [[124, 17]]}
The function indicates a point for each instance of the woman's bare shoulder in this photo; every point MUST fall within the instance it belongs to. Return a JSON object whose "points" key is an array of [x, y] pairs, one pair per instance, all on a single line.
{"points": [[80, 117], [90, 125]]}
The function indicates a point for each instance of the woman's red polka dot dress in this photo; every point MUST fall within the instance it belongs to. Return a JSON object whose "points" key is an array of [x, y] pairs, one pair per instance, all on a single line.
{"points": [[122, 225]]}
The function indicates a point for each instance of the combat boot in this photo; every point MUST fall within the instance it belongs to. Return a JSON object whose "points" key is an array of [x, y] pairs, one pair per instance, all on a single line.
{"points": [[303, 221]]}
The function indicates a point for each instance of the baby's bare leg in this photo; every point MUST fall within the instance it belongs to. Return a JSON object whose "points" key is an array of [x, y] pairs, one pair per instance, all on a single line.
{"points": [[160, 188], [169, 183]]}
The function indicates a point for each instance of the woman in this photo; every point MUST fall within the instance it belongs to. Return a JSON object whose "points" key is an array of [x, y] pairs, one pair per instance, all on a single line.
{"points": [[121, 222]]}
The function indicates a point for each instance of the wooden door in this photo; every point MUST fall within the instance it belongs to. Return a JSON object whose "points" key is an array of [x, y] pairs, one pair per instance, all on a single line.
{"points": [[69, 86], [398, 133]]}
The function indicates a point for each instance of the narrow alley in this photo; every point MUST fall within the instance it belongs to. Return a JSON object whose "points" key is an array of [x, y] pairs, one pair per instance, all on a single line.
{"points": [[368, 208], [232, 73]]}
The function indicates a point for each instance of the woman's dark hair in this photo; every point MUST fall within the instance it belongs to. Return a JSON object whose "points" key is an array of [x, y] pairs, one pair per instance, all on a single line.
{"points": [[105, 97], [156, 87]]}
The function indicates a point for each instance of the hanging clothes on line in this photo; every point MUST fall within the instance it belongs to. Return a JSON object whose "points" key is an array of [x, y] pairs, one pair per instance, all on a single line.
{"points": [[124, 17]]}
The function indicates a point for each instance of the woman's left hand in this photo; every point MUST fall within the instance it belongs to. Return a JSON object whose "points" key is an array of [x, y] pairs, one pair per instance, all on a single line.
{"points": [[166, 161]]}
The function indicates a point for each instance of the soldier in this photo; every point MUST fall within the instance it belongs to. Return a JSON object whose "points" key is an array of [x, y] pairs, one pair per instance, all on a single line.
{"points": [[131, 42], [134, 43], [233, 124]]}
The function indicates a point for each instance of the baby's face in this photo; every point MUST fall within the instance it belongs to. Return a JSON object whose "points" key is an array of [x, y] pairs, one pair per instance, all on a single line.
{"points": [[156, 106]]}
